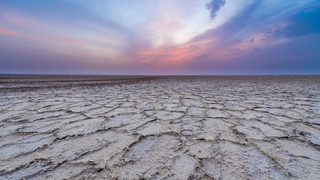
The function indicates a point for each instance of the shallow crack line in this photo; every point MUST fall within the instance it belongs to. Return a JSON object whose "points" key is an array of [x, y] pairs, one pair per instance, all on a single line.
{"points": [[314, 146], [24, 166], [70, 161], [135, 129], [287, 173], [30, 152]]}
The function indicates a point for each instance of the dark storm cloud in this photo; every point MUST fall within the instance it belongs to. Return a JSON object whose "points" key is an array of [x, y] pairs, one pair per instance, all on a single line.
{"points": [[214, 6]]}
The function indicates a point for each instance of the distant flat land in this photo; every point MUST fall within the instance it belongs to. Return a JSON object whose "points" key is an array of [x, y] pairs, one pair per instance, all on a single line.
{"points": [[160, 127]]}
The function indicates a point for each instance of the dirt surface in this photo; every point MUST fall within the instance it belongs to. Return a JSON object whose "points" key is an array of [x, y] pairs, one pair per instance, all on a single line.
{"points": [[179, 127]]}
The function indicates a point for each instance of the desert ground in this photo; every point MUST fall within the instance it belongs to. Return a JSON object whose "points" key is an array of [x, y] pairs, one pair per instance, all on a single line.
{"points": [[160, 127]]}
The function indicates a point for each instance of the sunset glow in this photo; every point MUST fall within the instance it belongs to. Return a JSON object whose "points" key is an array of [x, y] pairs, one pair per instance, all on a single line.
{"points": [[160, 37]]}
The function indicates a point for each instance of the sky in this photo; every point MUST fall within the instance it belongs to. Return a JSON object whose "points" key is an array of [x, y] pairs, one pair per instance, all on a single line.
{"points": [[160, 37]]}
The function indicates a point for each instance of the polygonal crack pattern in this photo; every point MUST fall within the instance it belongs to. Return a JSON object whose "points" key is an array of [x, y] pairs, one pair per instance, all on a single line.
{"points": [[205, 127]]}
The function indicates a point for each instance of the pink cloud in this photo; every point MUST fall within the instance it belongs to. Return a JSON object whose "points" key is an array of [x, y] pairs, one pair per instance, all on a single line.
{"points": [[10, 32], [175, 54], [68, 41], [20, 20]]}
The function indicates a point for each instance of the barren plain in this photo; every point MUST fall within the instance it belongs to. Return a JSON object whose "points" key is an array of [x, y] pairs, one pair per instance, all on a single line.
{"points": [[179, 127]]}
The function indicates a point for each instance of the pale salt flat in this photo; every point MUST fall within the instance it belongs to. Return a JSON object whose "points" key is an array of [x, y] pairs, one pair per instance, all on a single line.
{"points": [[187, 127]]}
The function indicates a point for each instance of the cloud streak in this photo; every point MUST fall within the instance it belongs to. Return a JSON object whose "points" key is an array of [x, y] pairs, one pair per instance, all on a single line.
{"points": [[8, 32], [161, 38]]}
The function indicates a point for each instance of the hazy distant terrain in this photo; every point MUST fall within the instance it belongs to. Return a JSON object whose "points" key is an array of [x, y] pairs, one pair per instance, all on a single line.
{"points": [[178, 127]]}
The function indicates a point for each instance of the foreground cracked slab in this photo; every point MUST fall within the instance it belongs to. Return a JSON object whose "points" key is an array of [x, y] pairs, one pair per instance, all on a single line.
{"points": [[205, 127]]}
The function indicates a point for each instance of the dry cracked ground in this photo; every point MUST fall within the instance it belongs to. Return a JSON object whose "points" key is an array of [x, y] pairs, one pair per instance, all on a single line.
{"points": [[204, 127]]}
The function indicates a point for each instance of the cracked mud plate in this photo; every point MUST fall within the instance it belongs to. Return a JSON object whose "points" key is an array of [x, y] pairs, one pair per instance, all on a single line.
{"points": [[252, 127]]}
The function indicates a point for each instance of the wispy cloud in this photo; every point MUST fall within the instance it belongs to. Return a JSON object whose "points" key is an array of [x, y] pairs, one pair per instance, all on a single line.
{"points": [[139, 37], [5, 31], [9, 32]]}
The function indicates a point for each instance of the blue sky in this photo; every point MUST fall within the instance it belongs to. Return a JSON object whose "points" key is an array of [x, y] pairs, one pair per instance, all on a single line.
{"points": [[160, 37]]}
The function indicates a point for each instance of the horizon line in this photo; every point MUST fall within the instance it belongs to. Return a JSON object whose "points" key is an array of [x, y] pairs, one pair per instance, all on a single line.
{"points": [[8, 74]]}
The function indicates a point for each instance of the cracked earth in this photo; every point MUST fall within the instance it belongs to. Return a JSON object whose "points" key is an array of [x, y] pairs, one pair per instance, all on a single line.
{"points": [[218, 127]]}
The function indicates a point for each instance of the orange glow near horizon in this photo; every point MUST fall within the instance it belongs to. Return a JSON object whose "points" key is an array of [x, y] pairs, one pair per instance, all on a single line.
{"points": [[175, 54]]}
